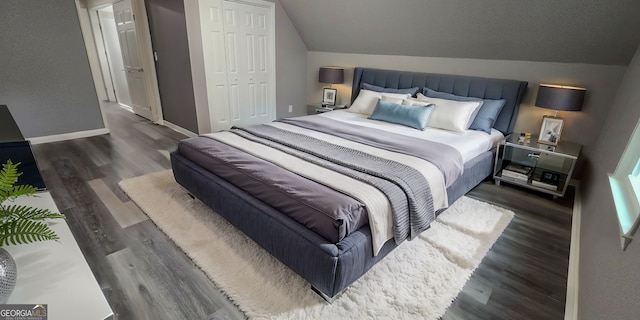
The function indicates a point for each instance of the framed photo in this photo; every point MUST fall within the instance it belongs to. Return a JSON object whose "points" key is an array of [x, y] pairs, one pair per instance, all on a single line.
{"points": [[329, 96], [550, 130]]}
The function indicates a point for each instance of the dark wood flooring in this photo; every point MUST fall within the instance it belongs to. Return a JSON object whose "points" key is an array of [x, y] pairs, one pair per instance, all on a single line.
{"points": [[145, 276]]}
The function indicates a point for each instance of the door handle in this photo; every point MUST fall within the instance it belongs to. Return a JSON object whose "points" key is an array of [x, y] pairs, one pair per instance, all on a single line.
{"points": [[533, 155]]}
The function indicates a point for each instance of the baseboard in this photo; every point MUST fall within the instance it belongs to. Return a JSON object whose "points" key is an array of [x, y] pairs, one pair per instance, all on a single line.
{"points": [[571, 304], [178, 129], [68, 136]]}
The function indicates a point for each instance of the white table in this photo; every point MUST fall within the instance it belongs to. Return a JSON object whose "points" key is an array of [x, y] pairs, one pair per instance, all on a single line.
{"points": [[56, 273]]}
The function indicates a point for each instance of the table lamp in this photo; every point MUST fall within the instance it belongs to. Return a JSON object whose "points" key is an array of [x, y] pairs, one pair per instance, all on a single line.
{"points": [[330, 75], [557, 98]]}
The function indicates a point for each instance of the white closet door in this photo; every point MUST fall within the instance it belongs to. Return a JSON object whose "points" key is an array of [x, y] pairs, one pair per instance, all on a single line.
{"points": [[246, 38], [238, 43], [215, 63]]}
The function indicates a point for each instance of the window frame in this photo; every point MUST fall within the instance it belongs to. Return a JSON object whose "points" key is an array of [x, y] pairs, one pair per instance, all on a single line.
{"points": [[625, 188]]}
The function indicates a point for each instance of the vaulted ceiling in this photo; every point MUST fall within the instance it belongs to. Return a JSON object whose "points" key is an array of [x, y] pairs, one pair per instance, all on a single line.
{"points": [[580, 31]]}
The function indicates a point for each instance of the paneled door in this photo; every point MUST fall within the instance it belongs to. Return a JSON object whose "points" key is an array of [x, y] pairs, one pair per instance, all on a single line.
{"points": [[215, 63], [124, 19], [246, 39], [237, 42]]}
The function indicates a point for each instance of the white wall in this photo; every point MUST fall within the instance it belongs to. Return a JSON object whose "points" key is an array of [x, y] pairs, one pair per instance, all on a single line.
{"points": [[609, 277], [583, 127]]}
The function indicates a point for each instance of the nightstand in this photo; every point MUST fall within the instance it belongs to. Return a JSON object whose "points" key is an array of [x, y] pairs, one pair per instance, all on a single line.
{"points": [[315, 108], [536, 166]]}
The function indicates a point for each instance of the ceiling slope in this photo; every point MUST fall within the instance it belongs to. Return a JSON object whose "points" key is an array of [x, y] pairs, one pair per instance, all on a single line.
{"points": [[579, 31]]}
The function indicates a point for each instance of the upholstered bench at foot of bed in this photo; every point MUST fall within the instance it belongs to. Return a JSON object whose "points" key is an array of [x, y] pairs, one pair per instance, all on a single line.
{"points": [[328, 267]]}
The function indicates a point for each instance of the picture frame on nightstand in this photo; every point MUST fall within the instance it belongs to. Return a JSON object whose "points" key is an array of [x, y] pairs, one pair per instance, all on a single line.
{"points": [[550, 130], [329, 96]]}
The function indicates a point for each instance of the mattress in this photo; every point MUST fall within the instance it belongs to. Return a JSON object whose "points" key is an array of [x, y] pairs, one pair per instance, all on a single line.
{"points": [[333, 214], [328, 212]]}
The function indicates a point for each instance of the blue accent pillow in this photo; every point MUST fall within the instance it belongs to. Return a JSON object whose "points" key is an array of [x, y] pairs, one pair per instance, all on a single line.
{"points": [[411, 91], [410, 116], [487, 114]]}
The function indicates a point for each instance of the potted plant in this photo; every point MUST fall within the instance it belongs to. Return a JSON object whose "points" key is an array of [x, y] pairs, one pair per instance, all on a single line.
{"points": [[19, 224]]}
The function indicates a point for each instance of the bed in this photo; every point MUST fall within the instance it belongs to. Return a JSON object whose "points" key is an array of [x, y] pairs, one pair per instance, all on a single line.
{"points": [[334, 255]]}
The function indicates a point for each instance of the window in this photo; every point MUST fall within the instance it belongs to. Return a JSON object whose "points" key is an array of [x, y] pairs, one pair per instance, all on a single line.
{"points": [[625, 187]]}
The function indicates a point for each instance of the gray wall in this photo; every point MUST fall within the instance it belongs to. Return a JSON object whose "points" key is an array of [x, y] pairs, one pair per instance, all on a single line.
{"points": [[583, 127], [44, 71], [173, 68], [586, 31], [291, 67], [609, 277]]}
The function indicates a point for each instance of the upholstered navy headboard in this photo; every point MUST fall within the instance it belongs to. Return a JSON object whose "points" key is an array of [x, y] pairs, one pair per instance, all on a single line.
{"points": [[510, 90]]}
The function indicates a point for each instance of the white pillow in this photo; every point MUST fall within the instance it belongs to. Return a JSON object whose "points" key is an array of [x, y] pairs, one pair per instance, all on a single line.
{"points": [[391, 99], [451, 115], [414, 102], [367, 100]]}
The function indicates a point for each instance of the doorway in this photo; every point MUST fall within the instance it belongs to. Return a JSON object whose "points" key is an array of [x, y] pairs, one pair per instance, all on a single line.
{"points": [[109, 52], [125, 53]]}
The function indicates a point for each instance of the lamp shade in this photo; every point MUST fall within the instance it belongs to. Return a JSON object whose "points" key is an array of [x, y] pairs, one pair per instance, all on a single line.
{"points": [[331, 75], [561, 98]]}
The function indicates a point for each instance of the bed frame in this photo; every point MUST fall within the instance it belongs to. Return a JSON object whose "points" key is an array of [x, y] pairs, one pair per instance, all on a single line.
{"points": [[329, 267]]}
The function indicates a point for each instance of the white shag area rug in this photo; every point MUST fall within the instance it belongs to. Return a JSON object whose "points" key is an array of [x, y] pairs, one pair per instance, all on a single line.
{"points": [[418, 280]]}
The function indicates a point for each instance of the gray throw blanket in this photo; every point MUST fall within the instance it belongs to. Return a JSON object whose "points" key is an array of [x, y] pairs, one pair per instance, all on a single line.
{"points": [[407, 190], [445, 157]]}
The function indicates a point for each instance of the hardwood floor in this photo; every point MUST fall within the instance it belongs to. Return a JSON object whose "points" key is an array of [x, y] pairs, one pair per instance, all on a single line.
{"points": [[145, 276], [524, 275]]}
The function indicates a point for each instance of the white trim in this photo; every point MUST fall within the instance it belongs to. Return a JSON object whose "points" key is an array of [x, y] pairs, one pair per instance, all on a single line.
{"points": [[625, 196], [571, 304], [179, 129], [272, 63], [68, 136], [92, 55]]}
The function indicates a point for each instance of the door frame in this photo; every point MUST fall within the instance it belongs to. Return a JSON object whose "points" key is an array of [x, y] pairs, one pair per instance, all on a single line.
{"points": [[98, 37], [101, 44], [144, 46]]}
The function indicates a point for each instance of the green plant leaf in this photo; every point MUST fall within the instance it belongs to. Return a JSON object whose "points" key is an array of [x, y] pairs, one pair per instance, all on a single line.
{"points": [[18, 212], [21, 224], [21, 190], [8, 177], [25, 231]]}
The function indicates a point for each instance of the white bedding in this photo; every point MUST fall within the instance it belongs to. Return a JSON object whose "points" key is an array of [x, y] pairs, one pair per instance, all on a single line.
{"points": [[470, 144]]}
